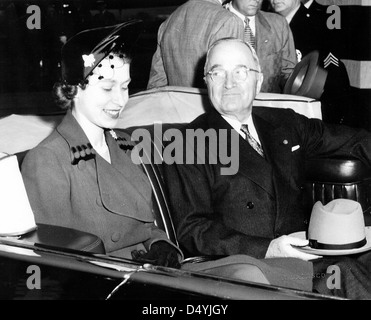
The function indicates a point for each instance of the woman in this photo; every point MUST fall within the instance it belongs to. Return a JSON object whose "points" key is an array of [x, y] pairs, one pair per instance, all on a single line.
{"points": [[82, 176]]}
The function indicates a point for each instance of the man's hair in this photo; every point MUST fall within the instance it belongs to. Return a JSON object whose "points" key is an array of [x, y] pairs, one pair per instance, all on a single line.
{"points": [[252, 50]]}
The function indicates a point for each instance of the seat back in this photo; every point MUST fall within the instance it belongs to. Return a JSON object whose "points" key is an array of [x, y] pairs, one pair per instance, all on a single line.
{"points": [[333, 178], [152, 166], [161, 208]]}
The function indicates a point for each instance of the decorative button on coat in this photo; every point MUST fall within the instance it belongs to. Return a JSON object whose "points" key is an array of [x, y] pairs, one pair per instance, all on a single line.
{"points": [[250, 205], [81, 165], [115, 237]]}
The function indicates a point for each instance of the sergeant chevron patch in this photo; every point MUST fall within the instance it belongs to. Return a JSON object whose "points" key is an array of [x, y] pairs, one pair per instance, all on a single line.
{"points": [[331, 59]]}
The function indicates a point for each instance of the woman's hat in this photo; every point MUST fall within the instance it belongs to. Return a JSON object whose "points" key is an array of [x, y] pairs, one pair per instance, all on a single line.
{"points": [[337, 225], [85, 50]]}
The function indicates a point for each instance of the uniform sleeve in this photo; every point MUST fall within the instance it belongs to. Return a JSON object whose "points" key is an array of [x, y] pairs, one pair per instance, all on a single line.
{"points": [[48, 187]]}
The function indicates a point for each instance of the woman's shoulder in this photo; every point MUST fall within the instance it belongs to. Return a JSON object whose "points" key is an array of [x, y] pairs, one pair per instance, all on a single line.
{"points": [[53, 146]]}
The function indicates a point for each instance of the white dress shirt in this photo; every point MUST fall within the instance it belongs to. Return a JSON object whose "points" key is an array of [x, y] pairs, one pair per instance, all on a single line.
{"points": [[230, 7], [236, 125], [308, 4]]}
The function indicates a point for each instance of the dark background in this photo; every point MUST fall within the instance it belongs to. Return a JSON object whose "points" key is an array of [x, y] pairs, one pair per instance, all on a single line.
{"points": [[29, 59]]}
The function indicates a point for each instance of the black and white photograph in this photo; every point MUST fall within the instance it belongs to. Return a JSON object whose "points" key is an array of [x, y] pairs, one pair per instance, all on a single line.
{"points": [[182, 155]]}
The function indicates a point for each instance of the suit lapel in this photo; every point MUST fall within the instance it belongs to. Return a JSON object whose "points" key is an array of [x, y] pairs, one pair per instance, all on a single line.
{"points": [[122, 162], [251, 164], [277, 146], [131, 195], [123, 187]]}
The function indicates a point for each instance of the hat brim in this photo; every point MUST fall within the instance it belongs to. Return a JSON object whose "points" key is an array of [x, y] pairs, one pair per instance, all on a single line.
{"points": [[324, 252], [308, 78]]}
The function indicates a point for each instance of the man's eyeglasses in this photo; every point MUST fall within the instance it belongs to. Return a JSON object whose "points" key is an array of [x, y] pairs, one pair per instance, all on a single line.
{"points": [[239, 74]]}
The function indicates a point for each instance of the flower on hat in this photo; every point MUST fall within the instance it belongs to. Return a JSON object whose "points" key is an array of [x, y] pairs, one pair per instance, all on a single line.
{"points": [[88, 60]]}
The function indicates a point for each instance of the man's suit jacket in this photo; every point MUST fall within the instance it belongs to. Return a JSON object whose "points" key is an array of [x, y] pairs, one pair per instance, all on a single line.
{"points": [[183, 40], [68, 186], [242, 213], [276, 50]]}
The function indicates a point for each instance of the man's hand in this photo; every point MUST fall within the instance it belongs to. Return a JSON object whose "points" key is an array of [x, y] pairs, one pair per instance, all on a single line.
{"points": [[282, 247], [161, 254]]}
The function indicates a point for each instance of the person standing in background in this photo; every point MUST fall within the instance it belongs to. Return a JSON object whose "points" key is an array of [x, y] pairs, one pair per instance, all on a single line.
{"points": [[183, 40], [311, 33], [273, 42]]}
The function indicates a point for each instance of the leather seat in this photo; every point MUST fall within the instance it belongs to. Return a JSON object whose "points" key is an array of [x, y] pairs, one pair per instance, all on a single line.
{"points": [[332, 178]]}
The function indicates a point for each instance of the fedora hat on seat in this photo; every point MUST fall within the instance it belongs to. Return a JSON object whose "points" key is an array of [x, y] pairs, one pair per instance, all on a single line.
{"points": [[338, 225]]}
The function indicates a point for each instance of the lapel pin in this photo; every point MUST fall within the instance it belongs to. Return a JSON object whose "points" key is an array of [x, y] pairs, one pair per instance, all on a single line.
{"points": [[285, 141]]}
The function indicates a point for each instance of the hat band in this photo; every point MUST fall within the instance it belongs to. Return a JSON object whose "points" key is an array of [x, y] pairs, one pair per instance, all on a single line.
{"points": [[354, 245]]}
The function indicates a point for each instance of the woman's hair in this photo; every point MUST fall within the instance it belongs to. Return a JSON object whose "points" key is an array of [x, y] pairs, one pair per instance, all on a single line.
{"points": [[64, 93]]}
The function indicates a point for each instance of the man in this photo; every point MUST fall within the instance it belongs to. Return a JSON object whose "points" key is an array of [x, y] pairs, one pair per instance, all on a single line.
{"points": [[183, 40], [254, 211], [311, 33], [274, 42]]}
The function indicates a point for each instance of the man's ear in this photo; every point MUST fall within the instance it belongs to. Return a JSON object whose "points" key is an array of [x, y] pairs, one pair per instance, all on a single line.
{"points": [[259, 82]]}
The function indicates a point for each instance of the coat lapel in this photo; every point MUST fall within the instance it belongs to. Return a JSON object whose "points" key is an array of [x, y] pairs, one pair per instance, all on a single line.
{"points": [[277, 146], [132, 194], [123, 187], [251, 164]]}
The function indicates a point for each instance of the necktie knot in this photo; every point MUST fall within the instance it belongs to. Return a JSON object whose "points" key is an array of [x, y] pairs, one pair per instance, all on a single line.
{"points": [[251, 140]]}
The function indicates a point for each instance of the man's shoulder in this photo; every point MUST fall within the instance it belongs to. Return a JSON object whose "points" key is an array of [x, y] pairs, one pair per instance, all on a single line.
{"points": [[272, 17], [201, 7], [197, 4], [201, 122], [275, 115]]}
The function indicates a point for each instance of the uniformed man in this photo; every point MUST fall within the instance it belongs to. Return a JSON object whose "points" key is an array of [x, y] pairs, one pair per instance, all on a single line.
{"points": [[310, 31]]}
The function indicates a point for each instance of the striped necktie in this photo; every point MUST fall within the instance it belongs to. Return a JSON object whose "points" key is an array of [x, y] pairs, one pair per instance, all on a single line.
{"points": [[250, 139], [249, 37]]}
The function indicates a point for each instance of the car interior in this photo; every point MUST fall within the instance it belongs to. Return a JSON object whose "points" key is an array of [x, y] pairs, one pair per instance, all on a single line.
{"points": [[327, 178], [36, 115]]}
